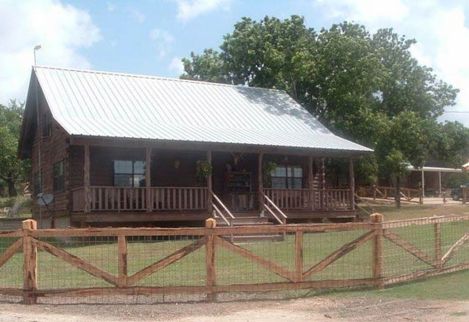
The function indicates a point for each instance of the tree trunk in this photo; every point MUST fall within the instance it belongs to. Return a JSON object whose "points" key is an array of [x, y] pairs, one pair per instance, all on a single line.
{"points": [[397, 197], [11, 188]]}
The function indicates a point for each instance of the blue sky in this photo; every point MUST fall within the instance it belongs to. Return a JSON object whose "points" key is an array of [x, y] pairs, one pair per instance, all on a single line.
{"points": [[150, 36]]}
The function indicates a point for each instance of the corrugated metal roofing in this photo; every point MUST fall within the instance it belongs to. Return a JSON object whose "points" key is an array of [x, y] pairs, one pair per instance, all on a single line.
{"points": [[92, 103]]}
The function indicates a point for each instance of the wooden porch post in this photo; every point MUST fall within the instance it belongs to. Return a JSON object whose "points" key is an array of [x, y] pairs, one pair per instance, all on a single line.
{"points": [[148, 179], [311, 182], [209, 184], [323, 183], [352, 185], [260, 181], [86, 179]]}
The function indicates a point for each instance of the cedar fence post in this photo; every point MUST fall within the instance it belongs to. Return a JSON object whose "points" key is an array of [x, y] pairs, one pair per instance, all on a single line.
{"points": [[122, 260], [299, 255], [438, 253], [29, 262], [377, 220], [210, 224]]}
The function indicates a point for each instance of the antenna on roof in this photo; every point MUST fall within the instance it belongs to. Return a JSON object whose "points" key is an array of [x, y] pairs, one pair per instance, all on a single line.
{"points": [[36, 48]]}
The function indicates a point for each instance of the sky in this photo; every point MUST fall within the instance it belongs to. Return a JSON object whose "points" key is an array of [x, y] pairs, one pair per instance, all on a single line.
{"points": [[151, 36]]}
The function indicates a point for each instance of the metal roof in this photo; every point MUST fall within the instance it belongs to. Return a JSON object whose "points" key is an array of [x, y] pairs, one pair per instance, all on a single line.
{"points": [[92, 103], [434, 169]]}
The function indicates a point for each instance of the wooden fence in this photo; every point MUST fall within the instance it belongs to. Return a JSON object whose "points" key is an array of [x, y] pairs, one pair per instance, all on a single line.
{"points": [[382, 192], [373, 254]]}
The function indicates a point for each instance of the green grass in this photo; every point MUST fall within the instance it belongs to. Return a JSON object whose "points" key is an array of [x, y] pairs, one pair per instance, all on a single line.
{"points": [[234, 269]]}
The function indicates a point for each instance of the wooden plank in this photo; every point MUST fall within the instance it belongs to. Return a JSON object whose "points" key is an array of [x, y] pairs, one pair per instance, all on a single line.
{"points": [[210, 258], [262, 287], [299, 255], [408, 247], [437, 244], [10, 251], [148, 152], [168, 260], [453, 249], [342, 251], [122, 261], [76, 262], [377, 264], [29, 262], [269, 265], [86, 178]]}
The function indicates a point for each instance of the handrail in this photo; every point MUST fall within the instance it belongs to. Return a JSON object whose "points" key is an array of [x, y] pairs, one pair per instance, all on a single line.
{"points": [[221, 215], [266, 207], [275, 206], [223, 205]]}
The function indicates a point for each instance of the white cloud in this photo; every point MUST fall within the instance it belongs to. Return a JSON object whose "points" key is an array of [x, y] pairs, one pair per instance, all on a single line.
{"points": [[61, 30], [440, 27], [162, 40], [176, 66], [189, 9]]}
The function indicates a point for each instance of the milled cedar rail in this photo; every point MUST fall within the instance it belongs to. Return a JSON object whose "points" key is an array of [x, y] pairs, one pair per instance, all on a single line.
{"points": [[214, 239]]}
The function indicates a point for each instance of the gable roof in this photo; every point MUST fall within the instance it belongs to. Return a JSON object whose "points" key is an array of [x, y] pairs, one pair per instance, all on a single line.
{"points": [[104, 104]]}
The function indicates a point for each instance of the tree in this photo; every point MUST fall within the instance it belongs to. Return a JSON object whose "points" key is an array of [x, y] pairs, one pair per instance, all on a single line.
{"points": [[12, 170], [366, 87]]}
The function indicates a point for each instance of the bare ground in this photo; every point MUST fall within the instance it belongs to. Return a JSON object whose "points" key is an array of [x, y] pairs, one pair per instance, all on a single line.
{"points": [[303, 309]]}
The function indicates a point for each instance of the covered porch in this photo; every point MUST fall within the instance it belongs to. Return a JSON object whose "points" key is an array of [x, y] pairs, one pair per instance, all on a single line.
{"points": [[154, 184]]}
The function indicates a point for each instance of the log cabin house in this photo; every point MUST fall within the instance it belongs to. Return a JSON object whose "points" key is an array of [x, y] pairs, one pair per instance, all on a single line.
{"points": [[120, 149]]}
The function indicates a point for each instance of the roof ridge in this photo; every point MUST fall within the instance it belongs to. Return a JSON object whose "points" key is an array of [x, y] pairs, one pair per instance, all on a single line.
{"points": [[92, 71]]}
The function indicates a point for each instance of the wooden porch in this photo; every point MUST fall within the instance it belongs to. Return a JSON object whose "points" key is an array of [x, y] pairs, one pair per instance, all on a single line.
{"points": [[219, 195]]}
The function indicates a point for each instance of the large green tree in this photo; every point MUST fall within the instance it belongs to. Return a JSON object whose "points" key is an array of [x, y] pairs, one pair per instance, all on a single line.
{"points": [[12, 170], [364, 86]]}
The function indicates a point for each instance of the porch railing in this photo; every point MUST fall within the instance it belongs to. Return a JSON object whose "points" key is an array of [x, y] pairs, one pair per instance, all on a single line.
{"points": [[104, 198], [305, 199]]}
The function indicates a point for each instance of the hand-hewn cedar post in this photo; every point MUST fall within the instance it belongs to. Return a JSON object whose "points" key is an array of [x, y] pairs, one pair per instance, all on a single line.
{"points": [[260, 183], [377, 220], [299, 255], [352, 185], [438, 254], [210, 224], [29, 262], [122, 261], [86, 178], [209, 184], [323, 184], [148, 179], [310, 183]]}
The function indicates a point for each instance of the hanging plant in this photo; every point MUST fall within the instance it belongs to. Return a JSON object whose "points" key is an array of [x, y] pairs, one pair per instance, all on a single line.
{"points": [[203, 170], [268, 168]]}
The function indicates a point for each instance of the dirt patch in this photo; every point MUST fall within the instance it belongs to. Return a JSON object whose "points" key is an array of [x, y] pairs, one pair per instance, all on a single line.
{"points": [[305, 309]]}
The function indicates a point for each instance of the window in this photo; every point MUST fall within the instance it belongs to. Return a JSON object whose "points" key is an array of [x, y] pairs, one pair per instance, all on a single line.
{"points": [[128, 173], [287, 177], [59, 178], [37, 183]]}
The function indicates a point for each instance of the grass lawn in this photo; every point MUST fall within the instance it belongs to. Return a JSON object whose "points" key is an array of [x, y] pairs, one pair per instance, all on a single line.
{"points": [[234, 269]]}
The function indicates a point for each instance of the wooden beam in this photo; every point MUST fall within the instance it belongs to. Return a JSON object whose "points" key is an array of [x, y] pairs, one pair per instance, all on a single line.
{"points": [[269, 265], [76, 262], [342, 251], [299, 255], [311, 182], [211, 279], [86, 178], [10, 251], [29, 262], [260, 179], [352, 184], [168, 260], [148, 179], [408, 247], [209, 184], [452, 250], [122, 261]]}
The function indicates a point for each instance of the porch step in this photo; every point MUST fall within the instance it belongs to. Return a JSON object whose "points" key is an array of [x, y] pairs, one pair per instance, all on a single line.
{"points": [[245, 221]]}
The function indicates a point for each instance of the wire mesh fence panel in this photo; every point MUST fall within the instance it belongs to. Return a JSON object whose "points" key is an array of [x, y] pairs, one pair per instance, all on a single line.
{"points": [[11, 262], [175, 264]]}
